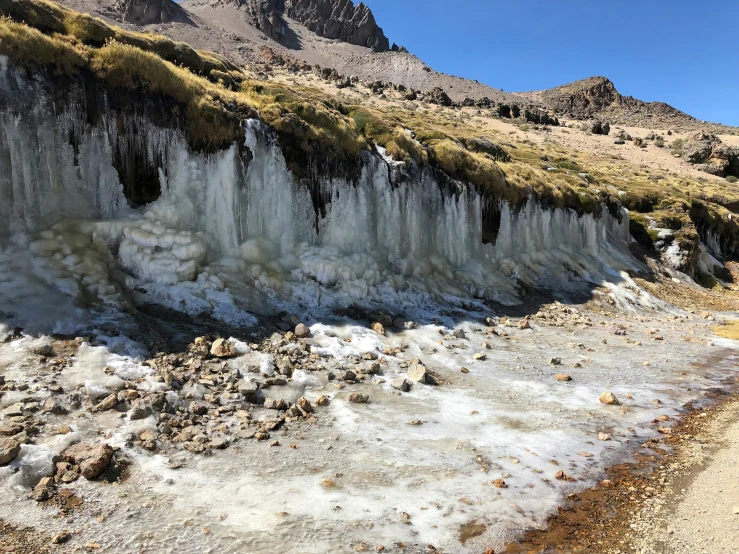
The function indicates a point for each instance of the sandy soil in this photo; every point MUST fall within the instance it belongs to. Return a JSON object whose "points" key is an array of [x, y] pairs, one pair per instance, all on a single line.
{"points": [[699, 512]]}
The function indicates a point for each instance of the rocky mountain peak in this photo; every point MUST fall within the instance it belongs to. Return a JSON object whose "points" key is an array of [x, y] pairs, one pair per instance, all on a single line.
{"points": [[332, 19]]}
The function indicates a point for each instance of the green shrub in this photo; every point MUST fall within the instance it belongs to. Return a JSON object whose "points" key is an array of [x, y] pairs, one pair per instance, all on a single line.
{"points": [[732, 179]]}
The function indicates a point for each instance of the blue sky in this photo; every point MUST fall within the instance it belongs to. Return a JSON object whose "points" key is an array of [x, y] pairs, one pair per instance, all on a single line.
{"points": [[685, 53]]}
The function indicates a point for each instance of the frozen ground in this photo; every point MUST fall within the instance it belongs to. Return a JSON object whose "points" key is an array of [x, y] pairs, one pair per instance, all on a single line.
{"points": [[361, 476]]}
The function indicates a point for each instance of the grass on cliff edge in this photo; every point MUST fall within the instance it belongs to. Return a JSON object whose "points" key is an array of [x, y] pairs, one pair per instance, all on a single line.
{"points": [[216, 96]]}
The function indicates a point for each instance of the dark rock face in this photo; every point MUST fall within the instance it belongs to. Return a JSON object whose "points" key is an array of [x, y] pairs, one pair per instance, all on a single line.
{"points": [[600, 127], [266, 15], [541, 117], [332, 19], [439, 96], [148, 12], [711, 155], [339, 19]]}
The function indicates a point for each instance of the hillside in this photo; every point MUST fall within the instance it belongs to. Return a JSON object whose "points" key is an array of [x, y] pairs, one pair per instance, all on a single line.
{"points": [[597, 98]]}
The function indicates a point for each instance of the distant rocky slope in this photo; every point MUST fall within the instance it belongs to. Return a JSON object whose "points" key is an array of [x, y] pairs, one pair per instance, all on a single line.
{"points": [[331, 19], [597, 97]]}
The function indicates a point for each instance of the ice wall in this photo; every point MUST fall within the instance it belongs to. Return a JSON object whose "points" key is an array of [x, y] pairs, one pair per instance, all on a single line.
{"points": [[233, 233]]}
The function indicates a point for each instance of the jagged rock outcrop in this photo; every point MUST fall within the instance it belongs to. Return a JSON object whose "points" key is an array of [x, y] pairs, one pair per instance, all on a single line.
{"points": [[148, 12], [711, 155], [600, 127], [339, 19], [438, 96], [538, 116], [582, 99], [333, 19], [266, 15]]}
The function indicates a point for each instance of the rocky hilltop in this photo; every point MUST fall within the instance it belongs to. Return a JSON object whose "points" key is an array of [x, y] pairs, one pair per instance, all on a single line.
{"points": [[597, 97], [332, 19]]}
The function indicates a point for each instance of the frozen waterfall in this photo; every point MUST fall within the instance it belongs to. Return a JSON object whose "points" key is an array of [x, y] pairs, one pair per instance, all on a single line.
{"points": [[229, 233]]}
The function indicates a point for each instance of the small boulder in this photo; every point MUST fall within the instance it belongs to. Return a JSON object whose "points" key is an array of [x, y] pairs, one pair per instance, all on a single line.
{"points": [[358, 398], [378, 327], [51, 406], [44, 350], [9, 450], [323, 400], [417, 372], [92, 459], [301, 330], [200, 347], [459, 334], [222, 349], [562, 377], [305, 405], [403, 385], [107, 403], [276, 404], [604, 436], [44, 490], [609, 398]]}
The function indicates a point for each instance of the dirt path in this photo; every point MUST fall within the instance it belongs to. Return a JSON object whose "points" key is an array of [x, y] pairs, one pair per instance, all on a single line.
{"points": [[699, 512]]}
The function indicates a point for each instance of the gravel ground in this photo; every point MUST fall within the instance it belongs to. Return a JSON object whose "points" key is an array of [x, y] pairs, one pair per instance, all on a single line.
{"points": [[699, 513]]}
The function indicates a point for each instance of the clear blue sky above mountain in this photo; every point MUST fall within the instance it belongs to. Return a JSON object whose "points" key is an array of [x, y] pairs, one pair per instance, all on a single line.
{"points": [[682, 52]]}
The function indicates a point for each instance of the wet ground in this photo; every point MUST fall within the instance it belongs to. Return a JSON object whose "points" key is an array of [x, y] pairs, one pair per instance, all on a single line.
{"points": [[465, 465]]}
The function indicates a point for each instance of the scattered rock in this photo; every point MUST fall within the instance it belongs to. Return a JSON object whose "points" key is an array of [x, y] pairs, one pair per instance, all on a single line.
{"points": [[480, 356], [609, 398], [358, 398], [378, 327], [107, 403], [200, 347], [305, 405], [562, 377], [459, 334], [92, 459], [44, 490], [464, 370], [323, 400], [555, 361], [10, 428], [61, 537], [301, 331], [604, 437], [499, 484], [562, 476], [9, 450], [276, 404], [401, 384], [45, 350], [222, 349], [417, 372]]}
